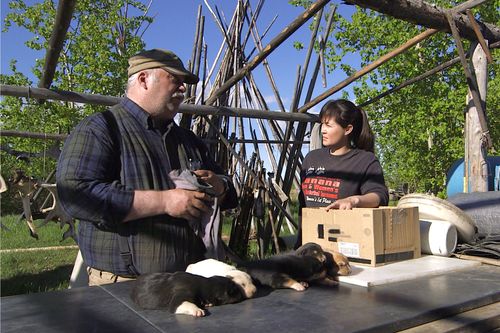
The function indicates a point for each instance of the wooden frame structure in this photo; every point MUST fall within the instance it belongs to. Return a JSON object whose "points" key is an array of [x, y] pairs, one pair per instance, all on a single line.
{"points": [[222, 114]]}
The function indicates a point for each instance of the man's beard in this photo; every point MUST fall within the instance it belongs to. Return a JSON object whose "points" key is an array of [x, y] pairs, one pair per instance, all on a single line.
{"points": [[170, 108]]}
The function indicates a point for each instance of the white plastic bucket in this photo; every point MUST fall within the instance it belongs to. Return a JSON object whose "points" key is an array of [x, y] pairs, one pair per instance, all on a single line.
{"points": [[438, 237]]}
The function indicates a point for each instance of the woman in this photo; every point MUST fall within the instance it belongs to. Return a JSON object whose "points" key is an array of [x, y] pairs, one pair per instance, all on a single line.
{"points": [[345, 173]]}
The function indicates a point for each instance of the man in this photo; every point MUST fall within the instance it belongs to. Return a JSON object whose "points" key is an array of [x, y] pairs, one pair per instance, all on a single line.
{"points": [[113, 175]]}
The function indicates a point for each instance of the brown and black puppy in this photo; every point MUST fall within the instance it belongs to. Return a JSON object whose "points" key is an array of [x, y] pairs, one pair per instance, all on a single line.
{"points": [[184, 293], [285, 271], [311, 249], [336, 263]]}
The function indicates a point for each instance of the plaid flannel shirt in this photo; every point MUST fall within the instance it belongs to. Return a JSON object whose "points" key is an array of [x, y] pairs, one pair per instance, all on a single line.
{"points": [[96, 179]]}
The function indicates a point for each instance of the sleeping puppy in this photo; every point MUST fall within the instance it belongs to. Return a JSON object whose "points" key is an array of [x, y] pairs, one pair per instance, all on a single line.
{"points": [[184, 293], [212, 267], [285, 271], [311, 249], [336, 263]]}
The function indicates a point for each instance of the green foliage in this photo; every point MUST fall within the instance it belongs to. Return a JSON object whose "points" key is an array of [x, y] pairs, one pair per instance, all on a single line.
{"points": [[298, 45], [419, 129], [100, 39], [300, 3]]}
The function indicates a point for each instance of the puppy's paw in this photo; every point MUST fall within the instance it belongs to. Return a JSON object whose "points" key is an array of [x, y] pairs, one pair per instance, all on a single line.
{"points": [[299, 286], [328, 281], [190, 309]]}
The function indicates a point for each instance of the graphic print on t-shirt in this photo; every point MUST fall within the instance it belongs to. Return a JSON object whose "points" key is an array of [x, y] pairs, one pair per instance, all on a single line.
{"points": [[320, 190]]}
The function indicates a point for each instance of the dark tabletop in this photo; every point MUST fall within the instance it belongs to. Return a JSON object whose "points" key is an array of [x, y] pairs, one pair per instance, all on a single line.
{"points": [[346, 308]]}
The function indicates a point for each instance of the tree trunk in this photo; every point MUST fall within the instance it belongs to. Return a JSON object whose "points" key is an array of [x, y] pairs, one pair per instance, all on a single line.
{"points": [[422, 13]]}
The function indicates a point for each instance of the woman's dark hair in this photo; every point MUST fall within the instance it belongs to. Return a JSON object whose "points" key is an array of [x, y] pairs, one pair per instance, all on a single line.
{"points": [[346, 113]]}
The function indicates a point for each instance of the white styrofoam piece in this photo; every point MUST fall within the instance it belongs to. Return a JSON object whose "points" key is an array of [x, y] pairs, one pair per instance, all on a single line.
{"points": [[405, 270], [434, 208]]}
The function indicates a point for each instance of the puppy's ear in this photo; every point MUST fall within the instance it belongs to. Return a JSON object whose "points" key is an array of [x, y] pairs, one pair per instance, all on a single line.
{"points": [[235, 292]]}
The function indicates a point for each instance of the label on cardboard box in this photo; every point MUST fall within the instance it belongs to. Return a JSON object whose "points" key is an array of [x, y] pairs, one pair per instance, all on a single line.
{"points": [[349, 249]]}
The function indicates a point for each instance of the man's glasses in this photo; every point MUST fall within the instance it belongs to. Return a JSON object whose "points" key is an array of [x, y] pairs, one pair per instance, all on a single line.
{"points": [[175, 79]]}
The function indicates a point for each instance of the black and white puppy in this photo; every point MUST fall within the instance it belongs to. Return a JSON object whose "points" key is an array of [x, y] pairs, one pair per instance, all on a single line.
{"points": [[286, 271], [184, 293], [212, 267]]}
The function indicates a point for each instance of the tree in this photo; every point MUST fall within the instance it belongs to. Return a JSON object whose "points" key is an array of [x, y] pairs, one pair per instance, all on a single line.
{"points": [[419, 128], [102, 36]]}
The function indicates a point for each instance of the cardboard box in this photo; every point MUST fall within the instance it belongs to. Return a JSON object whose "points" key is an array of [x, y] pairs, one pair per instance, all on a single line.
{"points": [[367, 236]]}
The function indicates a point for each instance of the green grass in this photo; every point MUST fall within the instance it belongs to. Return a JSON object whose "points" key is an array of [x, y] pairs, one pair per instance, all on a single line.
{"points": [[36, 270]]}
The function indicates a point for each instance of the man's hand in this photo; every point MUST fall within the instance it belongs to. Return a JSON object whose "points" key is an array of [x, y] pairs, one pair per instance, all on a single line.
{"points": [[211, 178], [187, 204], [180, 203]]}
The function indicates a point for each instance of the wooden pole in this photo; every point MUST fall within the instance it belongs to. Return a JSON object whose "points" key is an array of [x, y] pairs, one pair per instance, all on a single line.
{"points": [[63, 95], [49, 136], [489, 261], [433, 71], [292, 174], [273, 126], [258, 44], [194, 66], [295, 150], [290, 29], [64, 14], [33, 135], [420, 37], [263, 130], [476, 151], [406, 10], [471, 82], [423, 76], [430, 16], [480, 38]]}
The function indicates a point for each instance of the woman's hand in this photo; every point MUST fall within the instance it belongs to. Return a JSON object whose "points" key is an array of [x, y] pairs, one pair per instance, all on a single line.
{"points": [[368, 200], [346, 203]]}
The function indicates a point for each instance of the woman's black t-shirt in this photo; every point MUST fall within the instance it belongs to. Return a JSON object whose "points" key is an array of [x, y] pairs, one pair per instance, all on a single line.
{"points": [[326, 177]]}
